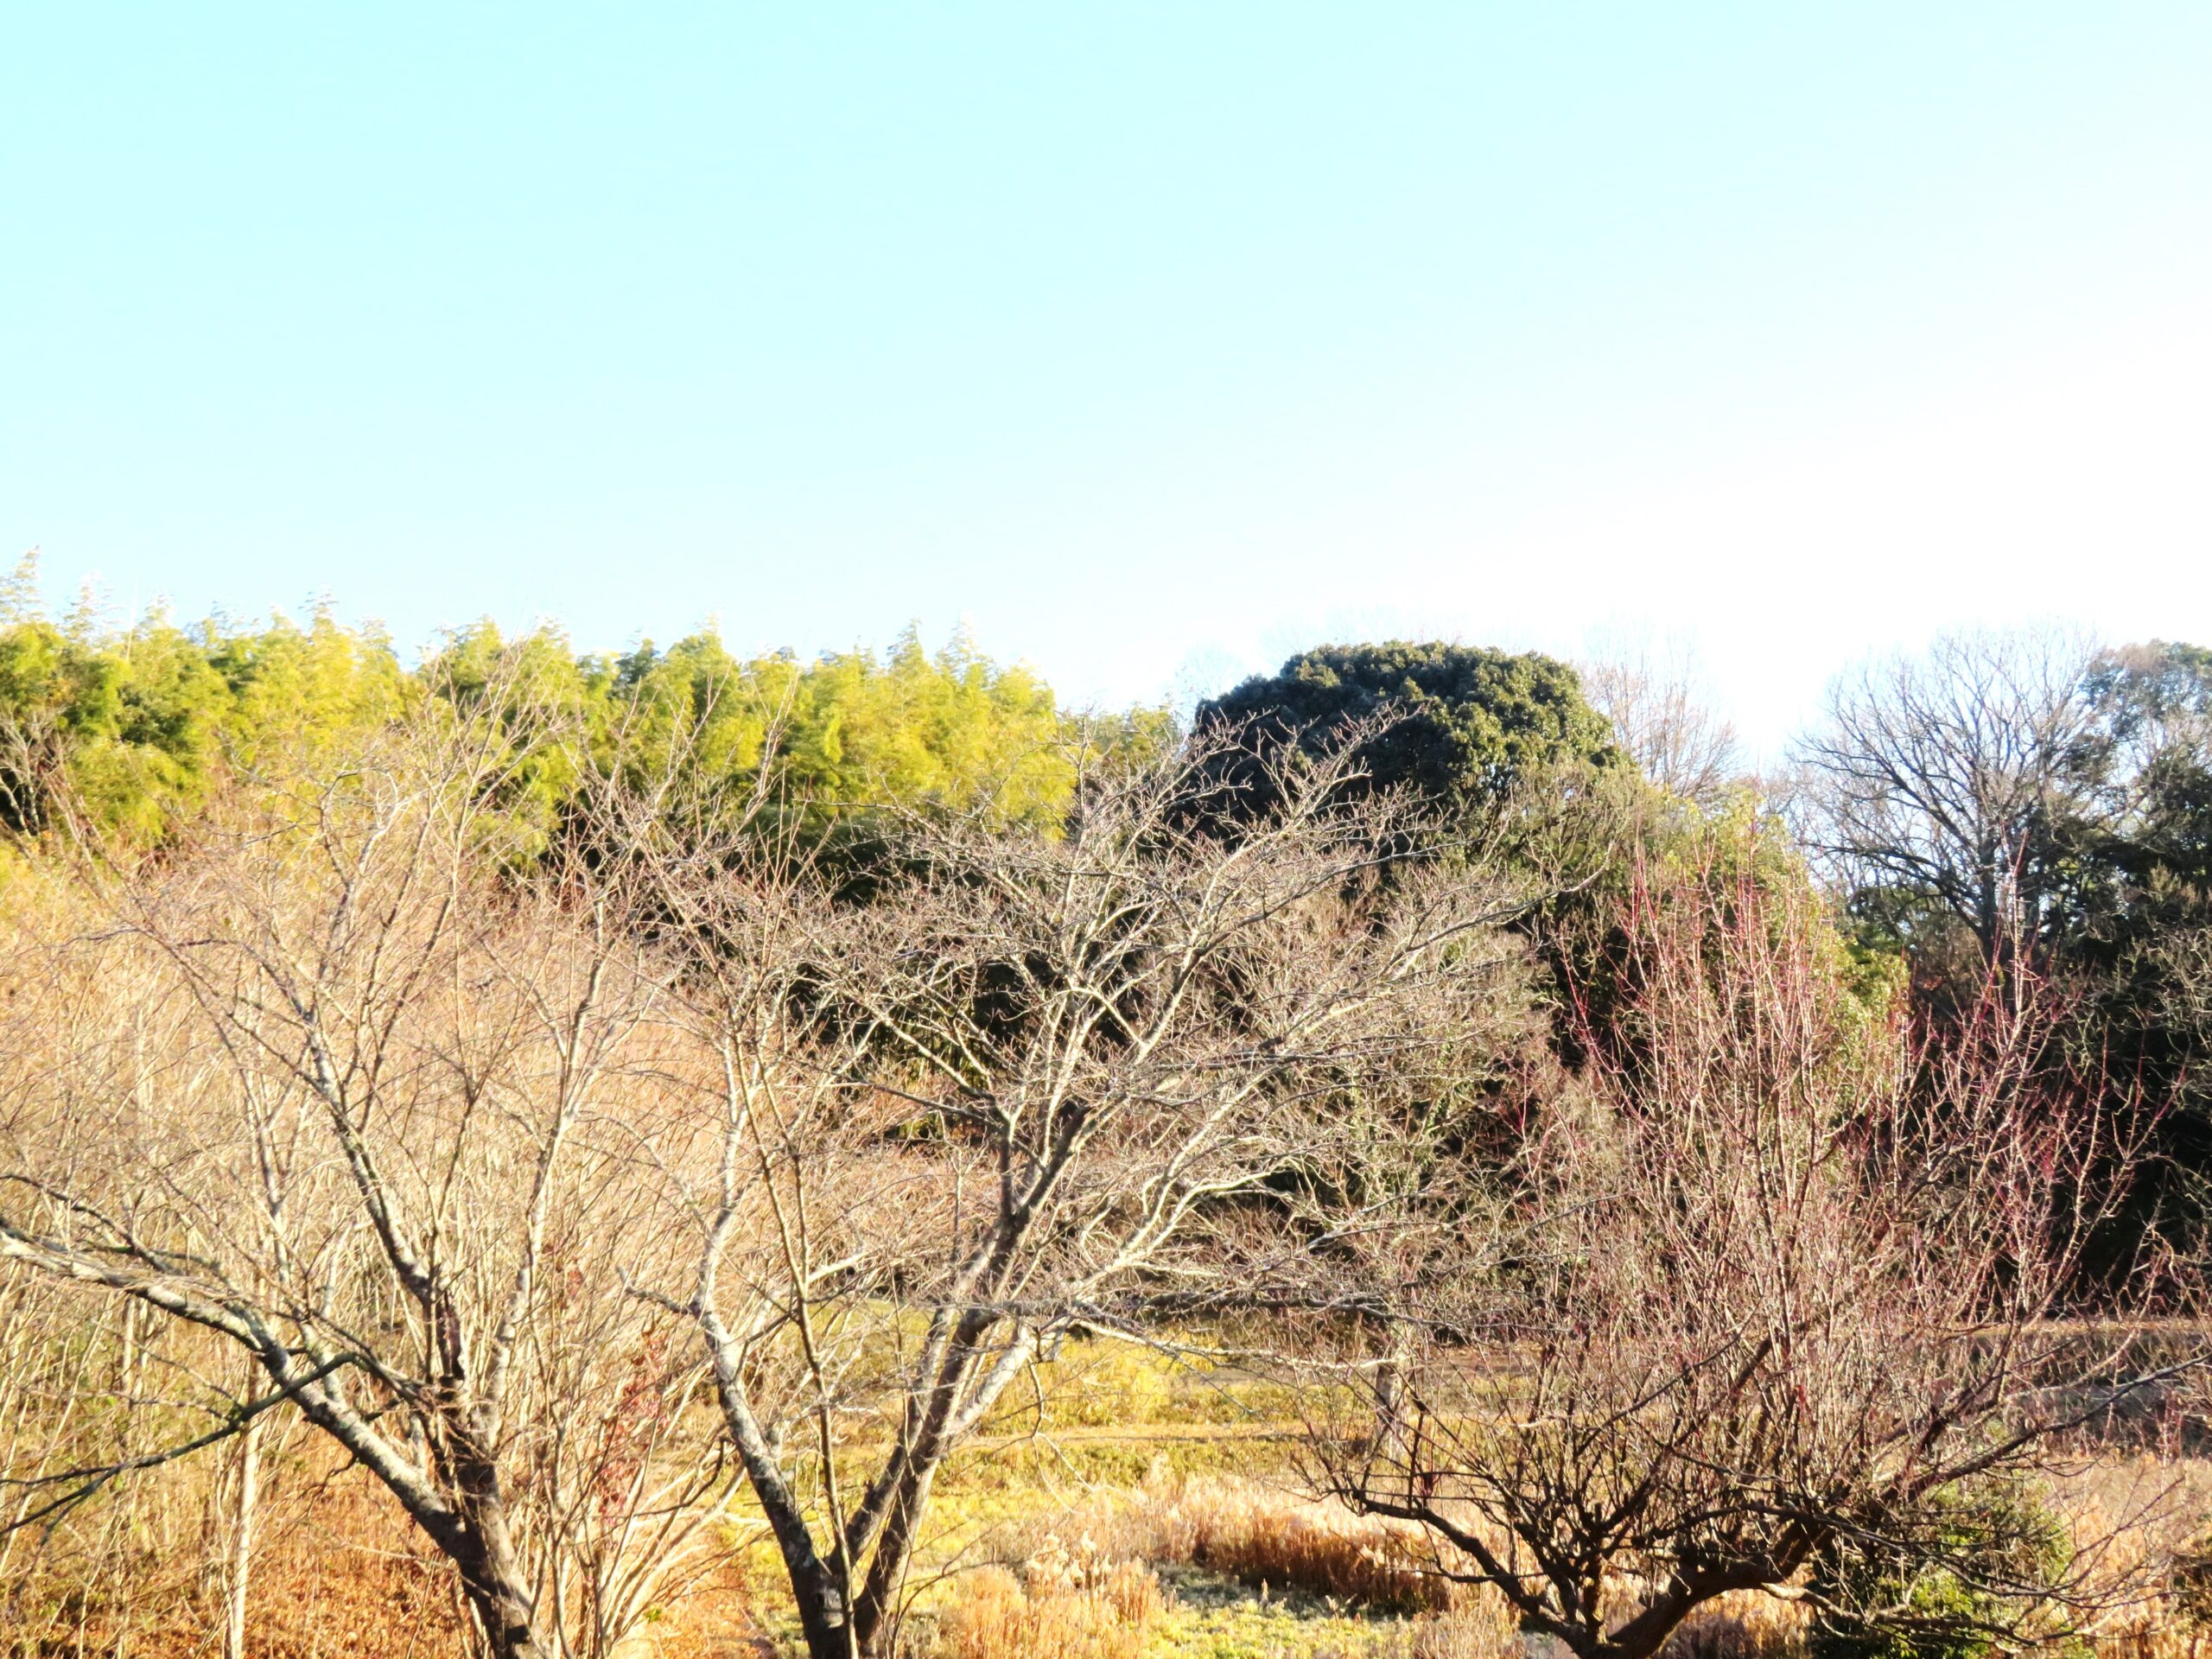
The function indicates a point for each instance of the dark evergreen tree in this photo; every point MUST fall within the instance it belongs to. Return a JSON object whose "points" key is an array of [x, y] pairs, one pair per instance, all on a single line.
{"points": [[1458, 725]]}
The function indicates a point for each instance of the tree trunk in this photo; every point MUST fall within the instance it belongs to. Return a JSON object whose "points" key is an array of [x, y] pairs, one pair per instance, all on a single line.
{"points": [[504, 1612], [873, 1610], [244, 1513], [822, 1617], [463, 1512], [1393, 1446], [819, 1582], [498, 1590]]}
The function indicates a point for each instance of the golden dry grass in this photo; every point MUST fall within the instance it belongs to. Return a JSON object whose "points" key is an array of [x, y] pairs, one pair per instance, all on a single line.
{"points": [[2132, 1514], [1743, 1624], [341, 1576], [1245, 1530], [1064, 1603]]}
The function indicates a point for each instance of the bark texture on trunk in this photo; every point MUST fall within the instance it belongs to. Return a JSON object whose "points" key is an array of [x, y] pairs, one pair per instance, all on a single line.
{"points": [[244, 1515], [491, 1573], [499, 1598]]}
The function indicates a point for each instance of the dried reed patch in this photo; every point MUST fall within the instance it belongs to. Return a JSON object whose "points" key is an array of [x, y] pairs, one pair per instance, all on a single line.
{"points": [[339, 1576], [1260, 1536], [1480, 1630], [1064, 1603], [1743, 1624], [1246, 1532]]}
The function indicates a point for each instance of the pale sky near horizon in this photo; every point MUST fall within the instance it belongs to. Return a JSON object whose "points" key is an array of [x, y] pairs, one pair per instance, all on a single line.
{"points": [[1153, 341]]}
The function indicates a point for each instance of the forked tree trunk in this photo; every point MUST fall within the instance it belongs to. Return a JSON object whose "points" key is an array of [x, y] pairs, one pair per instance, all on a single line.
{"points": [[464, 1514], [939, 1433], [817, 1581]]}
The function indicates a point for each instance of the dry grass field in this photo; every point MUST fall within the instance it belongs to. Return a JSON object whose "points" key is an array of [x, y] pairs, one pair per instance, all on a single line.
{"points": [[1157, 1514]]}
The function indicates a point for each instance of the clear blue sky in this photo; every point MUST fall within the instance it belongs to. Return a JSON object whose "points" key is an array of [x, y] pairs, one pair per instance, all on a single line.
{"points": [[1154, 341]]}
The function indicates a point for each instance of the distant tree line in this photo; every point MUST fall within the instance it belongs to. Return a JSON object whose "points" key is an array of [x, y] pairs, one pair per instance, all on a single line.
{"points": [[135, 728]]}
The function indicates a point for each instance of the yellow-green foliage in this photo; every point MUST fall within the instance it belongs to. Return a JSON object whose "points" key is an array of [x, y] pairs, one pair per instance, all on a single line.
{"points": [[137, 727], [1742, 848], [851, 730], [295, 693], [952, 727]]}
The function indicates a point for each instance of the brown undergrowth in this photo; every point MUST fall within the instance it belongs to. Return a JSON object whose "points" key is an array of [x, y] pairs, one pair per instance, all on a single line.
{"points": [[1187, 1562], [1065, 1603], [1269, 1539], [339, 1577]]}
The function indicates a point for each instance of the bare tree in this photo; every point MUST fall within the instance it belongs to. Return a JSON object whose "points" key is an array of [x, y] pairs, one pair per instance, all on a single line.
{"points": [[1944, 774], [1001, 1103], [325, 1083], [1778, 1289], [1674, 738]]}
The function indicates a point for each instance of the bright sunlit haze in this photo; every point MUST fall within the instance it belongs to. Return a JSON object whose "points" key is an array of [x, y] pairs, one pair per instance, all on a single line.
{"points": [[1152, 345]]}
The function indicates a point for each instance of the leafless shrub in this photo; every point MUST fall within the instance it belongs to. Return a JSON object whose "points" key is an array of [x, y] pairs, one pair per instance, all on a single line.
{"points": [[1784, 1284]]}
